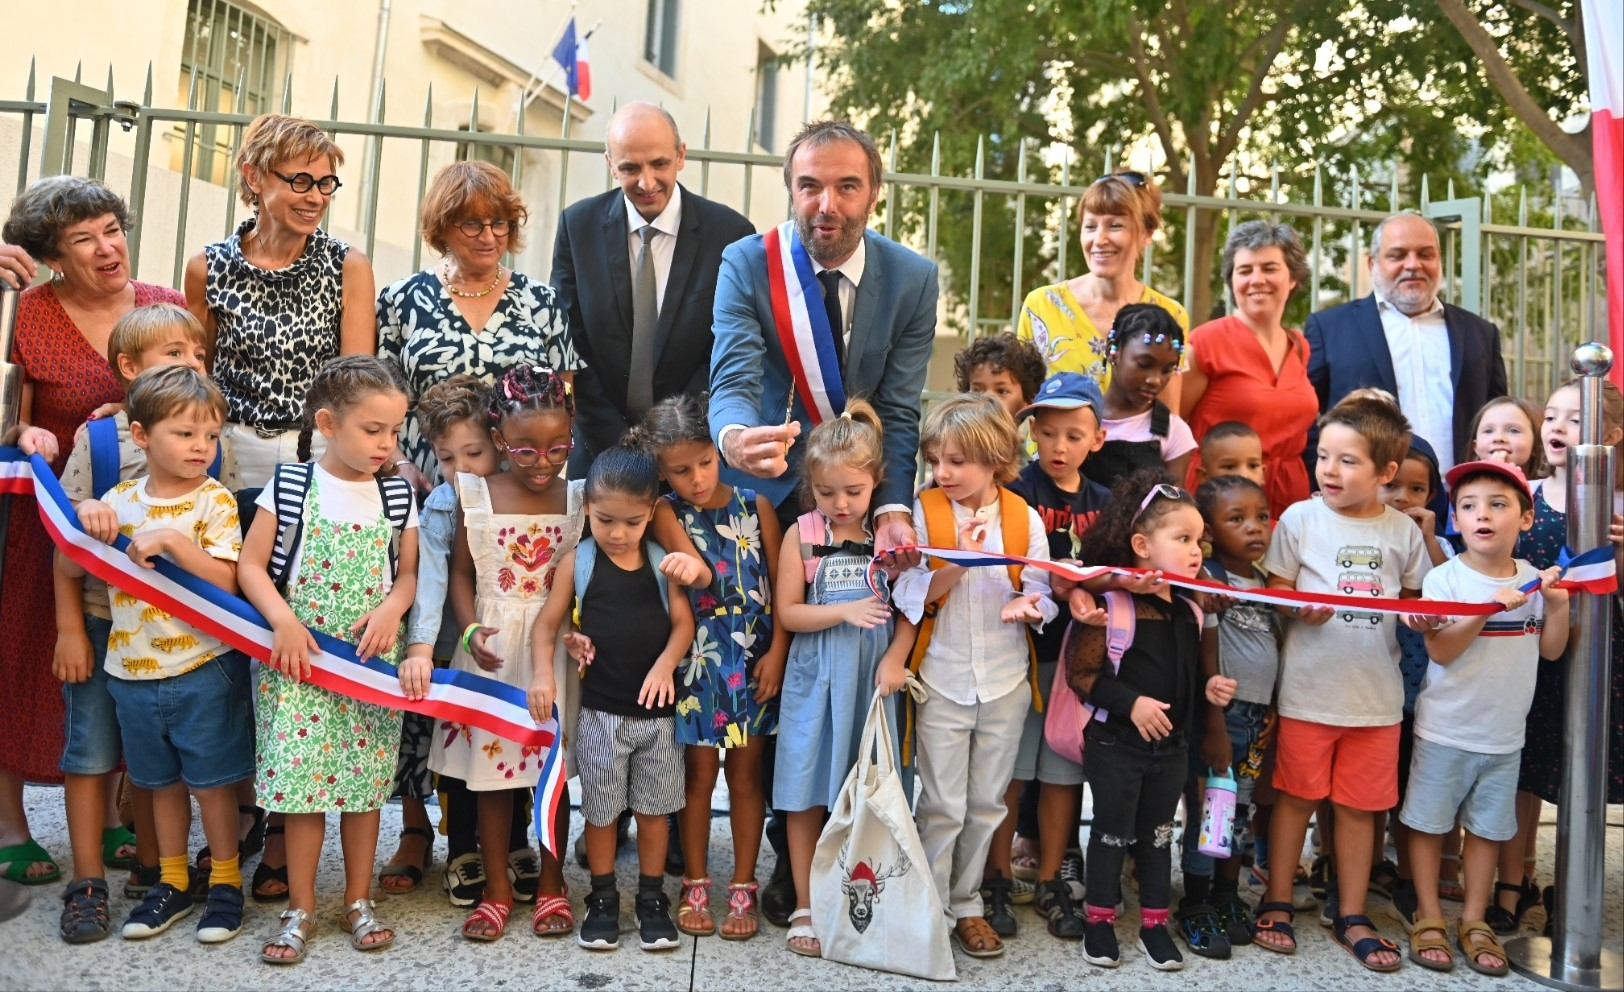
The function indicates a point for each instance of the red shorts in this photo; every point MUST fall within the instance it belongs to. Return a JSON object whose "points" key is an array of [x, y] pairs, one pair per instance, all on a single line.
{"points": [[1356, 767]]}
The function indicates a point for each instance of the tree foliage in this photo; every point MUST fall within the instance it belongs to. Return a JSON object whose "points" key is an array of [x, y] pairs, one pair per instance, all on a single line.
{"points": [[1198, 92]]}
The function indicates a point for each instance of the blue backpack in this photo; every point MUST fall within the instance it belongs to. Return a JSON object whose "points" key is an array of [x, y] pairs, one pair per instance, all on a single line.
{"points": [[102, 436]]}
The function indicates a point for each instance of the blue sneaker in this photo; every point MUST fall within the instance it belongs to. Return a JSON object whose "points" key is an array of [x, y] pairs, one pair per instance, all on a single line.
{"points": [[222, 915], [163, 905]]}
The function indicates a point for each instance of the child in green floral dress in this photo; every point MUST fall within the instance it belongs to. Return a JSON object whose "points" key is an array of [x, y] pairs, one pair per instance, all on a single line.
{"points": [[335, 549]]}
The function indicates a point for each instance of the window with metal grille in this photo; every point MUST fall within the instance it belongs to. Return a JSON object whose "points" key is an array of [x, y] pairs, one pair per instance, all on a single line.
{"points": [[660, 37], [766, 98], [237, 58]]}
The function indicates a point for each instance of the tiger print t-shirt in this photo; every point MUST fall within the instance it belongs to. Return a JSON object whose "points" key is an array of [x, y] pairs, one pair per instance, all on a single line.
{"points": [[146, 642]]}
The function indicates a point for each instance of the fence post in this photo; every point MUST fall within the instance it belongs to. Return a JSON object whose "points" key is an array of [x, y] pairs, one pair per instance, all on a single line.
{"points": [[1468, 212], [1573, 958]]}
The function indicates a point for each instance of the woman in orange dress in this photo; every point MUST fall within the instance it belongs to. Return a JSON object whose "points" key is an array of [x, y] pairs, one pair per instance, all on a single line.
{"points": [[1249, 367]]}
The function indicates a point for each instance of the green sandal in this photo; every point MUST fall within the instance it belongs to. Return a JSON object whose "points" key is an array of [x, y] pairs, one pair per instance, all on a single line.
{"points": [[19, 857], [114, 838]]}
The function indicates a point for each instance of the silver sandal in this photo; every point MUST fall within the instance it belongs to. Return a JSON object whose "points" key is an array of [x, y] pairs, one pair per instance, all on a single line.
{"points": [[365, 925], [298, 927]]}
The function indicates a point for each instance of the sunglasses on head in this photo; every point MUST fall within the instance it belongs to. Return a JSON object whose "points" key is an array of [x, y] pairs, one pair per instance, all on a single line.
{"points": [[1160, 490], [1131, 178]]}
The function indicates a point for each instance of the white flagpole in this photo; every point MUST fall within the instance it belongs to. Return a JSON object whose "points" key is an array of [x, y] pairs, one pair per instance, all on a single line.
{"points": [[520, 102]]}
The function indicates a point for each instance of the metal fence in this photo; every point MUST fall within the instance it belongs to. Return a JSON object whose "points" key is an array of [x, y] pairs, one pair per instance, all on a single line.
{"points": [[1539, 283]]}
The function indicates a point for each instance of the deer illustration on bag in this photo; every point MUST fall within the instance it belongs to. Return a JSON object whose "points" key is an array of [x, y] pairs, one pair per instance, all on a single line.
{"points": [[863, 884]]}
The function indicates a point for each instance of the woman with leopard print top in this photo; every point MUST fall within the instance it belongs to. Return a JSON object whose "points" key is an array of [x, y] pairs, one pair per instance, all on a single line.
{"points": [[280, 296]]}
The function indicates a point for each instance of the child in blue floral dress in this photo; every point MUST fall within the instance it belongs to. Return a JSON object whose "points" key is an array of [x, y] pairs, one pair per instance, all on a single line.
{"points": [[726, 690]]}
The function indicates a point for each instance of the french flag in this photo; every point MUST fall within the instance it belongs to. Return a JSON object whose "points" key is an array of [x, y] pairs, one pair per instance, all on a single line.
{"points": [[1604, 43], [571, 54], [1594, 571]]}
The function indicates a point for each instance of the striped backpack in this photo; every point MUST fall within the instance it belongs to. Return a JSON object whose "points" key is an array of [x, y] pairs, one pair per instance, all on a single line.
{"points": [[291, 484]]}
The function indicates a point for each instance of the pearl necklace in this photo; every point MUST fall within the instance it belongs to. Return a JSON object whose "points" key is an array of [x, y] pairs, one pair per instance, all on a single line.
{"points": [[445, 275]]}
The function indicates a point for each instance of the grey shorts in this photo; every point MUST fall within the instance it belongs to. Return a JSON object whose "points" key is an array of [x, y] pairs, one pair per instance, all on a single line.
{"points": [[1036, 759], [628, 762], [1445, 780]]}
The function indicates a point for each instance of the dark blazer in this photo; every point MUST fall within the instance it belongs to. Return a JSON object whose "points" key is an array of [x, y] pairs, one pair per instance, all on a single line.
{"points": [[593, 276], [1347, 350], [893, 329]]}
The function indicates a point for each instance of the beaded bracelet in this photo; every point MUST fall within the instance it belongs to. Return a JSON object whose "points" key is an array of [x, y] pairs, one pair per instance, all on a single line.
{"points": [[467, 638]]}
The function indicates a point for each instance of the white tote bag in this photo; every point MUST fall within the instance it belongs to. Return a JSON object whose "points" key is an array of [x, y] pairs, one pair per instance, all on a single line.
{"points": [[874, 903]]}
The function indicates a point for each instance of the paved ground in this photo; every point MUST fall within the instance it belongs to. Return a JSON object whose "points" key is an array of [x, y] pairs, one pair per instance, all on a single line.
{"points": [[429, 954]]}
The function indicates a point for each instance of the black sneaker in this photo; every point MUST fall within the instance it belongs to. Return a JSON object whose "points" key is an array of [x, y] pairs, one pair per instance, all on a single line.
{"points": [[1198, 925], [1383, 877], [999, 909], [1156, 944], [1053, 901], [524, 874], [600, 928], [163, 905], [1071, 872], [1100, 945], [655, 930], [222, 915], [464, 880], [1234, 916]]}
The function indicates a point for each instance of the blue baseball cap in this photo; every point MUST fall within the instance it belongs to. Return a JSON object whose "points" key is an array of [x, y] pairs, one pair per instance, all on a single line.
{"points": [[1066, 391]]}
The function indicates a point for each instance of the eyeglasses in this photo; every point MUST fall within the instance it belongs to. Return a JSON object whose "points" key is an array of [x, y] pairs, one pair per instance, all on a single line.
{"points": [[1131, 178], [1162, 490], [304, 182], [558, 454], [473, 228]]}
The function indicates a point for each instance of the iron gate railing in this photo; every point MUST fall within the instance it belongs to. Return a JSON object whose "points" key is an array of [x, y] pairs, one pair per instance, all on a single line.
{"points": [[1540, 284]]}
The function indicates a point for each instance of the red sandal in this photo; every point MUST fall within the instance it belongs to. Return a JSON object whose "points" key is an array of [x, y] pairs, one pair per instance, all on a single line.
{"points": [[494, 913], [550, 907]]}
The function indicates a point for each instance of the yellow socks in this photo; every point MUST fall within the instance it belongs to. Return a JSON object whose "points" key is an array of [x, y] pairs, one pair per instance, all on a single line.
{"points": [[226, 871], [172, 871]]}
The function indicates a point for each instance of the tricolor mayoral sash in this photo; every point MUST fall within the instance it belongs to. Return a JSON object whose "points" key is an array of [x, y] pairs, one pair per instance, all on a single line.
{"points": [[803, 324]]}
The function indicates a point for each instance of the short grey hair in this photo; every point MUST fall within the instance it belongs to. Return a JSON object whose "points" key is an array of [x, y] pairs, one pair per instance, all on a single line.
{"points": [[52, 204], [819, 133], [1256, 235], [1376, 232]]}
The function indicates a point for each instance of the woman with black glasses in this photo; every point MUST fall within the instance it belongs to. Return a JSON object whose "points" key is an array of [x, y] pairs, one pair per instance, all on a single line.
{"points": [[470, 314], [280, 296], [1069, 321]]}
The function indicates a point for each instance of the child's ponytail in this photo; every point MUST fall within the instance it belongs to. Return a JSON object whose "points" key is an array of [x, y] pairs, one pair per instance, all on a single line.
{"points": [[854, 439]]}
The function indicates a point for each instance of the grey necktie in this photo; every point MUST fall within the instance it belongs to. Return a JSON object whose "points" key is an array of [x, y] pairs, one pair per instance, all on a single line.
{"points": [[645, 314]]}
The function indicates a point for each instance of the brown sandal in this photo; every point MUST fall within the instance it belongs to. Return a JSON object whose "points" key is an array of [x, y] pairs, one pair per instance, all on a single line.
{"points": [[1420, 944], [977, 938], [1476, 937], [741, 906]]}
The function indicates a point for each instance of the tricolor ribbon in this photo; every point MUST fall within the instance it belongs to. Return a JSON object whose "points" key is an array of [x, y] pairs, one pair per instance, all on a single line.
{"points": [[803, 324], [461, 697], [1592, 571]]}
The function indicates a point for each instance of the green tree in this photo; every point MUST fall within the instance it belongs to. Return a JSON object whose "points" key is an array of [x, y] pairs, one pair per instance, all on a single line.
{"points": [[1213, 86]]}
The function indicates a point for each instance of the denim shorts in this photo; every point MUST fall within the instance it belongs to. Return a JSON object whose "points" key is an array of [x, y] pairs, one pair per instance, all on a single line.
{"points": [[1446, 780], [196, 728], [90, 741], [1036, 760]]}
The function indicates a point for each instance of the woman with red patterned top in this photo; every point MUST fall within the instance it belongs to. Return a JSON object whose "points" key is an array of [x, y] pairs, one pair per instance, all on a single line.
{"points": [[76, 227], [1250, 367]]}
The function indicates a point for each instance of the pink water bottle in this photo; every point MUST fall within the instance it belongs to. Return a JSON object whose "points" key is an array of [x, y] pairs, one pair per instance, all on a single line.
{"points": [[1218, 817]]}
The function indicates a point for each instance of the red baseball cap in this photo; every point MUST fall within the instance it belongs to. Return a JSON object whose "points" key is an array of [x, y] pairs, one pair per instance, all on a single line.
{"points": [[1510, 472]]}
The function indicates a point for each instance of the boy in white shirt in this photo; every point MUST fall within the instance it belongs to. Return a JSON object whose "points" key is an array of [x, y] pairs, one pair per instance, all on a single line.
{"points": [[1470, 716], [977, 665]]}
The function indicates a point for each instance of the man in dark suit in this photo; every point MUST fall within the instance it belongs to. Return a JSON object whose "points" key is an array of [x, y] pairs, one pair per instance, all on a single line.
{"points": [[1443, 363], [614, 287]]}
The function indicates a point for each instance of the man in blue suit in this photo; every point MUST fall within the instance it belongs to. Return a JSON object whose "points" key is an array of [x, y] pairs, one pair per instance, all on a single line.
{"points": [[1443, 363], [882, 315], [886, 308]]}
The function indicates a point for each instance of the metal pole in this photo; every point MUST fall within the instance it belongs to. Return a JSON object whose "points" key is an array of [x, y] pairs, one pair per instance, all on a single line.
{"points": [[13, 897], [1574, 958]]}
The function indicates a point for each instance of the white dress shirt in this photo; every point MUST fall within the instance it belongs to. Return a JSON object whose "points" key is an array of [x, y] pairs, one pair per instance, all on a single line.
{"points": [[1419, 347], [973, 656], [664, 245]]}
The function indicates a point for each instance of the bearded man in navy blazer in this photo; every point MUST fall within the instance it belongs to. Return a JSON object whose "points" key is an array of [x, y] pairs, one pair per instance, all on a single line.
{"points": [[596, 258], [1443, 363], [887, 305]]}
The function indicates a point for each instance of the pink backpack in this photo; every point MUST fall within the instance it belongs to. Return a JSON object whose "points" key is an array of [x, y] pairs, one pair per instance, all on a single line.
{"points": [[1066, 714]]}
